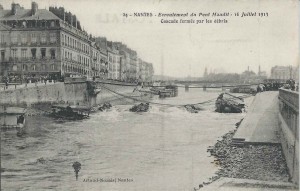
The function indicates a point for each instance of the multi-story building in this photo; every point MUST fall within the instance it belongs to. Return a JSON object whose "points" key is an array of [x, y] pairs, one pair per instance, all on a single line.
{"points": [[133, 65], [30, 42], [125, 65], [95, 60], [113, 61], [285, 72], [151, 72], [148, 72], [140, 69], [75, 44], [125, 61], [38, 43], [102, 52]]}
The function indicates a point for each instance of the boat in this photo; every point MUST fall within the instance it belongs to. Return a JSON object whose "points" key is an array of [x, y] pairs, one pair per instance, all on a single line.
{"points": [[67, 112], [157, 88], [12, 118], [227, 103], [164, 90]]}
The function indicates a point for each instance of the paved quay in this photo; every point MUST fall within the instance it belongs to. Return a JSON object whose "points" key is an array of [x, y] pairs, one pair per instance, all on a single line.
{"points": [[234, 184], [260, 125]]}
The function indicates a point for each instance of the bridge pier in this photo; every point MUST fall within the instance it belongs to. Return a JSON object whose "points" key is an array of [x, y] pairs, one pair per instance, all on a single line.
{"points": [[204, 88], [223, 88], [186, 87]]}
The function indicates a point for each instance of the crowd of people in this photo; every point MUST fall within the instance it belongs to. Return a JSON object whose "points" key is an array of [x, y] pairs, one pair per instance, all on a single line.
{"points": [[274, 86], [17, 79]]}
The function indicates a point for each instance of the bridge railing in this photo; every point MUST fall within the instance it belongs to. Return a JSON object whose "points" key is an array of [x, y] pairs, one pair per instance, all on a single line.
{"points": [[289, 130]]}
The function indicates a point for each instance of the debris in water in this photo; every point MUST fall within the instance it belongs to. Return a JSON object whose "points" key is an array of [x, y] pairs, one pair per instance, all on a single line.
{"points": [[192, 108], [104, 106], [41, 160], [142, 107], [229, 104]]}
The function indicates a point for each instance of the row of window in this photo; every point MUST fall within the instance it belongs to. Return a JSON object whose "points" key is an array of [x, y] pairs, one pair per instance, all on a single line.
{"points": [[70, 68], [31, 24], [81, 59], [113, 59], [73, 43], [33, 53], [33, 67], [25, 38]]}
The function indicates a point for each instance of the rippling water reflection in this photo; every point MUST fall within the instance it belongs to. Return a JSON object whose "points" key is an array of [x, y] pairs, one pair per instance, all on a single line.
{"points": [[164, 149]]}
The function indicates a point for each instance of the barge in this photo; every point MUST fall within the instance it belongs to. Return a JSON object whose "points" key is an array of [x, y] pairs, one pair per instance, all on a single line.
{"points": [[12, 118]]}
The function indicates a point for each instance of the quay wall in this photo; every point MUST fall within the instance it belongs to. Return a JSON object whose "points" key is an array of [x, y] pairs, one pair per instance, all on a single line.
{"points": [[34, 94], [73, 92], [289, 130]]}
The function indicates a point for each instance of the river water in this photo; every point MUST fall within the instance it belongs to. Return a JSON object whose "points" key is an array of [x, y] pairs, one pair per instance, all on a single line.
{"points": [[163, 149]]}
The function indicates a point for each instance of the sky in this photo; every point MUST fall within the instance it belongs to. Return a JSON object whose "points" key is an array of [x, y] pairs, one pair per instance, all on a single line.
{"points": [[182, 50]]}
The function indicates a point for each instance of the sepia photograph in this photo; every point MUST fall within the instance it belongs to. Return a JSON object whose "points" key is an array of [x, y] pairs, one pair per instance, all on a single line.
{"points": [[152, 95]]}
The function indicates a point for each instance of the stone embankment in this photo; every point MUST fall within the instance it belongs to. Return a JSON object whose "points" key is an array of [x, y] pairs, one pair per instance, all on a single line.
{"points": [[258, 162]]}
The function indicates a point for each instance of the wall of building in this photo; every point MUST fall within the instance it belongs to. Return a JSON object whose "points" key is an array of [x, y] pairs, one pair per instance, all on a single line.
{"points": [[289, 130]]}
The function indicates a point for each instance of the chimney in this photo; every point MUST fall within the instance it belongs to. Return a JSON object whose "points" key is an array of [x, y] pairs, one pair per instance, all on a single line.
{"points": [[14, 8], [71, 19], [61, 13], [34, 8], [75, 21]]}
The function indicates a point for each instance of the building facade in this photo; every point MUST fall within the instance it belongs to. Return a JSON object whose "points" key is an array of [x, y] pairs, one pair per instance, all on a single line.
{"points": [[30, 42], [39, 43], [285, 72]]}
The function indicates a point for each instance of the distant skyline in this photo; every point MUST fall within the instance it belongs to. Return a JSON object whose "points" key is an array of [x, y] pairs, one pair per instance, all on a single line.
{"points": [[188, 48]]}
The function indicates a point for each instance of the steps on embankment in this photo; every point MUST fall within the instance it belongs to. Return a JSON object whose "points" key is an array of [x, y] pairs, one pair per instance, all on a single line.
{"points": [[260, 125]]}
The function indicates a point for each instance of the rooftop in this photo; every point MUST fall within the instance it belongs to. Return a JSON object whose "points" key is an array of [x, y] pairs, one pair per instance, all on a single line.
{"points": [[26, 14]]}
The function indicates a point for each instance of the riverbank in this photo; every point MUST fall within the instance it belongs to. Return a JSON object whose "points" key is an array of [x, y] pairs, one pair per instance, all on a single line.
{"points": [[255, 162]]}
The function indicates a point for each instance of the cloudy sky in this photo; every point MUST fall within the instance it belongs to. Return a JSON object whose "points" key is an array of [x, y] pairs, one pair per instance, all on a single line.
{"points": [[186, 49]]}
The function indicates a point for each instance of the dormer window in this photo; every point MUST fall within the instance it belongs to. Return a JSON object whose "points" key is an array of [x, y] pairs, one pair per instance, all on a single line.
{"points": [[43, 23]]}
